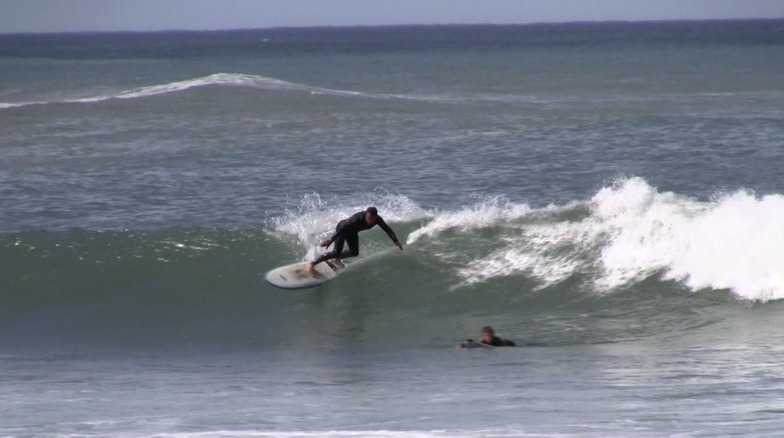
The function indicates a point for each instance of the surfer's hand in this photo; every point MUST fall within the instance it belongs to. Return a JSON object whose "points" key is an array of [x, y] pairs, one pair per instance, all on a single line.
{"points": [[397, 244], [326, 243]]}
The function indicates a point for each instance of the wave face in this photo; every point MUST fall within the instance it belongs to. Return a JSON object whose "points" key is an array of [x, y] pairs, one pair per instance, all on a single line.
{"points": [[639, 262], [576, 183]]}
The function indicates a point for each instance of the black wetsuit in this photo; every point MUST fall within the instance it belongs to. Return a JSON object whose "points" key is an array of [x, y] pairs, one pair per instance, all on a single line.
{"points": [[498, 342], [347, 231]]}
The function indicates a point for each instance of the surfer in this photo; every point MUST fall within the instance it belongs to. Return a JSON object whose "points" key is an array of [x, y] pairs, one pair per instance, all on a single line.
{"points": [[347, 231], [489, 338]]}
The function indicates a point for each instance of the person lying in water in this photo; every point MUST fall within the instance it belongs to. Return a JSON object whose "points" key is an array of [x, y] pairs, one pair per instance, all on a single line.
{"points": [[347, 231], [488, 338]]}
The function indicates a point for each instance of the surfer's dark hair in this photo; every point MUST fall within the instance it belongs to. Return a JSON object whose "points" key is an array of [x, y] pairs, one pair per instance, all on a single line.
{"points": [[372, 210]]}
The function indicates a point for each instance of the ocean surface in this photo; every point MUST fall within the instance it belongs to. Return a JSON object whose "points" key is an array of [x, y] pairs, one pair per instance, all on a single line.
{"points": [[610, 196]]}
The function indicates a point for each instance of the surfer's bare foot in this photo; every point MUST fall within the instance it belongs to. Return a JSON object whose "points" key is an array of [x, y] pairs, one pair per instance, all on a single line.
{"points": [[337, 263], [309, 268]]}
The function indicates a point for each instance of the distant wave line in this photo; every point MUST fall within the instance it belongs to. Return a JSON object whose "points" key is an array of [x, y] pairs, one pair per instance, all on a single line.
{"points": [[221, 79]]}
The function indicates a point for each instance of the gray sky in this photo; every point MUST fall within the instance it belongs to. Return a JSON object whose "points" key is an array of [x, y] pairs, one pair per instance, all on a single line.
{"points": [[141, 15]]}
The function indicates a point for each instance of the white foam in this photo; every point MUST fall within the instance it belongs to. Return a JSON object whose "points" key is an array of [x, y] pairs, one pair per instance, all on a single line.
{"points": [[549, 253], [733, 242], [627, 232], [490, 212], [521, 242], [642, 229], [736, 244]]}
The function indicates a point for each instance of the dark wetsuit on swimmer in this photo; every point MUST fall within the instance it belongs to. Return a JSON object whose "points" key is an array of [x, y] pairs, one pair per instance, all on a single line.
{"points": [[347, 231], [488, 338], [498, 342]]}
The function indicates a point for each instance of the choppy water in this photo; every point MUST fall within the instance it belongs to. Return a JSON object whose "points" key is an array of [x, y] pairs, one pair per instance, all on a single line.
{"points": [[609, 196]]}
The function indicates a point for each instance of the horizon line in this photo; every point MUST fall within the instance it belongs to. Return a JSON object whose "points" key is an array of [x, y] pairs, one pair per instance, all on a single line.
{"points": [[367, 26]]}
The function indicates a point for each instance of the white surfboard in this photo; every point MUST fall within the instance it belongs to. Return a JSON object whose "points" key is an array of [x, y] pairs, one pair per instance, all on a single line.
{"points": [[470, 343], [295, 276]]}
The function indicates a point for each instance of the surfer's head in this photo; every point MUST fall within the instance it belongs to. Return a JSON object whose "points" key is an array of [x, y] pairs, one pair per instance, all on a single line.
{"points": [[370, 215], [487, 334]]}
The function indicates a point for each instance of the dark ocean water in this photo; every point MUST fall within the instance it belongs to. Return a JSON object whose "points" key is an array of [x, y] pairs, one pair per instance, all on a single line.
{"points": [[608, 195]]}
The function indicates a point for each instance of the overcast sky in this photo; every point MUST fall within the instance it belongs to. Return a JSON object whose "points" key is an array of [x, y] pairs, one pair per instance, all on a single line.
{"points": [[142, 15]]}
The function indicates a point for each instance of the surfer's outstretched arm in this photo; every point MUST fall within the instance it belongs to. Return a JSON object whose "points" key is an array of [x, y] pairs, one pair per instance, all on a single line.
{"points": [[381, 223]]}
